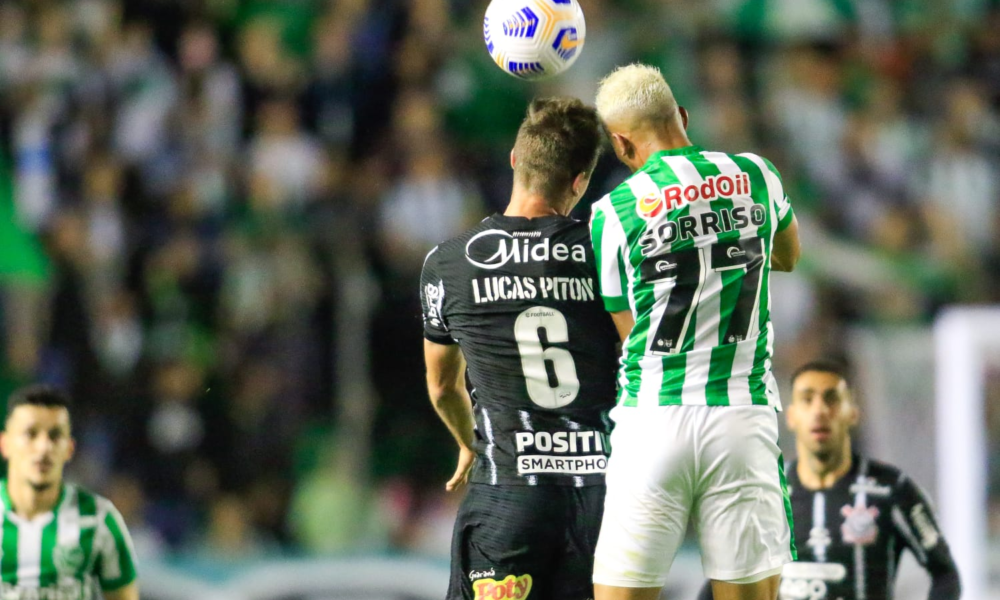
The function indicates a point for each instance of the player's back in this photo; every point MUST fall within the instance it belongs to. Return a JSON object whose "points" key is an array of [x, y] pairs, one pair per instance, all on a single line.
{"points": [[685, 244], [520, 296]]}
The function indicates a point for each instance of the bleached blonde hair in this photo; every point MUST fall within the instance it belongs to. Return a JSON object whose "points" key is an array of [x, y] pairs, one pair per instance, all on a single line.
{"points": [[634, 94]]}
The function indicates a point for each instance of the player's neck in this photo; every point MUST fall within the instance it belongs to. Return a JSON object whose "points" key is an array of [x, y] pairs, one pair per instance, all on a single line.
{"points": [[820, 473], [29, 501], [531, 205], [650, 142]]}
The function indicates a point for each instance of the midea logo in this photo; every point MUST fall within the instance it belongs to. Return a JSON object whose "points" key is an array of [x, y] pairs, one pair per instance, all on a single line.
{"points": [[494, 248]]}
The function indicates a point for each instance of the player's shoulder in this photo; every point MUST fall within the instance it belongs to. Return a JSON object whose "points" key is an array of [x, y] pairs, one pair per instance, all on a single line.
{"points": [[883, 474], [757, 160], [453, 246], [603, 204], [89, 504]]}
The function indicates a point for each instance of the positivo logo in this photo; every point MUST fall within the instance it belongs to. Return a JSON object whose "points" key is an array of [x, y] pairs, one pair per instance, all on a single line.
{"points": [[494, 248]]}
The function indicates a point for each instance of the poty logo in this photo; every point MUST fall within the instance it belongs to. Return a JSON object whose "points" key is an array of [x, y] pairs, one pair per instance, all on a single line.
{"points": [[734, 252], [673, 196], [494, 248], [511, 588]]}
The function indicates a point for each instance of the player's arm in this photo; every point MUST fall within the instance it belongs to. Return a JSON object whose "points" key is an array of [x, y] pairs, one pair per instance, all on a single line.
{"points": [[916, 525], [446, 388], [609, 242], [129, 592], [446, 369], [115, 564], [624, 322], [786, 249]]}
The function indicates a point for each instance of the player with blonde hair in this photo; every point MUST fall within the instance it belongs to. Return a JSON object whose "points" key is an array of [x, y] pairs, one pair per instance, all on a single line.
{"points": [[685, 247]]}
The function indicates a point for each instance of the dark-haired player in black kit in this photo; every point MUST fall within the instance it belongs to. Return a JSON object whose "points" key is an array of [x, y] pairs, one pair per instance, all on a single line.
{"points": [[515, 298], [853, 515]]}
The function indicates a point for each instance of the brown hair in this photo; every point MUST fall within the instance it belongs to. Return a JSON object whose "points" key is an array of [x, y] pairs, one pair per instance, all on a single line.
{"points": [[558, 139], [38, 395], [823, 365]]}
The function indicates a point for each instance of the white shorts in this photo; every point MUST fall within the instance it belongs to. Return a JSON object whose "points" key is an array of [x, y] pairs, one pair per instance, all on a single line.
{"points": [[718, 465]]}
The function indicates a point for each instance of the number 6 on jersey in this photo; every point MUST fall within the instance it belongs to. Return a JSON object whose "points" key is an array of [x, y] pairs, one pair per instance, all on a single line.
{"points": [[549, 372]]}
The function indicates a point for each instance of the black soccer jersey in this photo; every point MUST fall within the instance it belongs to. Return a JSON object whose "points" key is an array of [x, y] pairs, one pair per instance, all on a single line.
{"points": [[520, 297], [850, 536]]}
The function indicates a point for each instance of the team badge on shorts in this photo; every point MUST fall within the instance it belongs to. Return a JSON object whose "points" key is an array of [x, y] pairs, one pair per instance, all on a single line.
{"points": [[859, 524], [512, 587]]}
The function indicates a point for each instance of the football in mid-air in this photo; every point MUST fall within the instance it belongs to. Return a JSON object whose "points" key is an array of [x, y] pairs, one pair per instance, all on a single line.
{"points": [[534, 39]]}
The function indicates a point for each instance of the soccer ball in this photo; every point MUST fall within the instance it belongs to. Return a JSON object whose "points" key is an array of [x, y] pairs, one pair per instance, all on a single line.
{"points": [[534, 39]]}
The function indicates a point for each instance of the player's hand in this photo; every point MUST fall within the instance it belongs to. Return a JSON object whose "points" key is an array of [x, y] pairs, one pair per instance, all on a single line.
{"points": [[466, 458]]}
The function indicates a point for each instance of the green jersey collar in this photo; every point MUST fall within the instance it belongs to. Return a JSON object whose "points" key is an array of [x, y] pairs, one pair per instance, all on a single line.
{"points": [[9, 506], [693, 149]]}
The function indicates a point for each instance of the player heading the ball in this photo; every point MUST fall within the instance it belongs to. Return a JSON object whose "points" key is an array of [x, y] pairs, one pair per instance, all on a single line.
{"points": [[685, 248], [515, 298]]}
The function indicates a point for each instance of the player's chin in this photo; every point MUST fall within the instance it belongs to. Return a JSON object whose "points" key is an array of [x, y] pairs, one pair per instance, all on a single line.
{"points": [[44, 478], [820, 448]]}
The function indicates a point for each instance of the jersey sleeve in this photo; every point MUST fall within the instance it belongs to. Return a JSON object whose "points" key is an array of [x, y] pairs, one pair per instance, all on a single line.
{"points": [[609, 243], [782, 205], [432, 294], [115, 562], [915, 523]]}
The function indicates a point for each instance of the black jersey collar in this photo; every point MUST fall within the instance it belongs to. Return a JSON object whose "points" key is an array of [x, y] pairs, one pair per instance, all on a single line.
{"points": [[513, 221], [792, 474]]}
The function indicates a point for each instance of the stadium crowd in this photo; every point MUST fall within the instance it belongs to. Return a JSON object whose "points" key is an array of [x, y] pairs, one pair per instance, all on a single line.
{"points": [[213, 216]]}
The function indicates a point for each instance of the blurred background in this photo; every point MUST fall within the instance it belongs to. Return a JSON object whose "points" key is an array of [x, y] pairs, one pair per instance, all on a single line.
{"points": [[213, 215]]}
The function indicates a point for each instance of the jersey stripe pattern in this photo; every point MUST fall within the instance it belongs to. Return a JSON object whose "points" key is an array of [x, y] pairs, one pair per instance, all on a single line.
{"points": [[685, 245], [60, 555]]}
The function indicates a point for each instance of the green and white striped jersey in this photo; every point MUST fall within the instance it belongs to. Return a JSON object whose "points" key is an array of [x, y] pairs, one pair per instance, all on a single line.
{"points": [[685, 244], [60, 555]]}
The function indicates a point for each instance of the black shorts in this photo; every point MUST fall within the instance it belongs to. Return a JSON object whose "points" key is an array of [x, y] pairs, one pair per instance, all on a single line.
{"points": [[512, 541]]}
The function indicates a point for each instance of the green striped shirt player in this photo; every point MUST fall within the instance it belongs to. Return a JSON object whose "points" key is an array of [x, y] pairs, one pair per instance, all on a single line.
{"points": [[685, 247], [58, 541]]}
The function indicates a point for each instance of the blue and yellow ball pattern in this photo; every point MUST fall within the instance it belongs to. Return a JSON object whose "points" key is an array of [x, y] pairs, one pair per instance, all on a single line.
{"points": [[534, 39]]}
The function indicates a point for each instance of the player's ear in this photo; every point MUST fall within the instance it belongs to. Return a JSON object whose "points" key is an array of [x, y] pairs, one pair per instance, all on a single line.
{"points": [[71, 450], [791, 416], [684, 116], [580, 184], [855, 414], [513, 159], [4, 445], [623, 147]]}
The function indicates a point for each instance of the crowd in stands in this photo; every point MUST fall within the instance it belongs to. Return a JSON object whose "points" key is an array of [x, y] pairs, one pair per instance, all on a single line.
{"points": [[213, 215]]}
